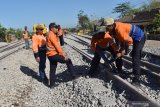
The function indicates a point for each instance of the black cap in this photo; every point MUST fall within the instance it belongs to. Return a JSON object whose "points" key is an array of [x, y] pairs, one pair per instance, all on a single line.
{"points": [[51, 25]]}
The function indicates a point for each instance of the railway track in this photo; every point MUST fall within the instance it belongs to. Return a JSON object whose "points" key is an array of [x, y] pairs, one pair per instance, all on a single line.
{"points": [[146, 56], [123, 83], [37, 94], [145, 65], [8, 44], [10, 49], [147, 70]]}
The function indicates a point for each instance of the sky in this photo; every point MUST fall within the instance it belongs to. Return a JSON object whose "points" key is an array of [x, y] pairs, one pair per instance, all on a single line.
{"points": [[20, 13]]}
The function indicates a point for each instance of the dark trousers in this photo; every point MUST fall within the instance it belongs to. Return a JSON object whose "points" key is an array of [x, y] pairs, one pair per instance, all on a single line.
{"points": [[42, 64], [136, 56], [96, 60], [53, 65], [26, 43], [61, 40]]}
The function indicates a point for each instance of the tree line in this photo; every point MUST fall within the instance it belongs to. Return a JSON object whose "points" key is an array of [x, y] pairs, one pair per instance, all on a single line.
{"points": [[86, 23], [5, 34]]}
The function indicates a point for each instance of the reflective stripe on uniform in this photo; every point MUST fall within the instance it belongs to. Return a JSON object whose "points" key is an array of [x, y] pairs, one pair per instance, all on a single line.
{"points": [[49, 48]]}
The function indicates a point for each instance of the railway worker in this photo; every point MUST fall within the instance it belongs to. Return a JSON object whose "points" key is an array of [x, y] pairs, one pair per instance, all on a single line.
{"points": [[101, 42], [55, 53], [25, 37], [123, 32], [39, 50], [60, 34], [45, 30], [65, 32]]}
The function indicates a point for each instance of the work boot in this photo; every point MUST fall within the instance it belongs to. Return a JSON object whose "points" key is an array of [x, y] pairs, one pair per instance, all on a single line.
{"points": [[53, 85], [43, 77], [45, 81]]}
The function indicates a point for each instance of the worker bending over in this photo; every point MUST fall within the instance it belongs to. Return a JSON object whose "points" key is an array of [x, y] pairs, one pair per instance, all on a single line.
{"points": [[101, 42], [126, 34]]}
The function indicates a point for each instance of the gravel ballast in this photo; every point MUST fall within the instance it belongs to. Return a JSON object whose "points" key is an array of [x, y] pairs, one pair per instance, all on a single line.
{"points": [[19, 85]]}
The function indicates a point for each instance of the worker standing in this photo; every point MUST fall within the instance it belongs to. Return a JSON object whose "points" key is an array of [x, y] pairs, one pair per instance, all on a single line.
{"points": [[65, 32], [56, 54], [25, 37], [39, 50], [101, 42], [123, 32], [60, 34]]}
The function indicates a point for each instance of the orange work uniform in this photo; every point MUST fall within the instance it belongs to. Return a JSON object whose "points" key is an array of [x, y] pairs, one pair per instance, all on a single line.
{"points": [[103, 41], [52, 45], [39, 50], [131, 34], [122, 33], [55, 54], [38, 43], [25, 35]]}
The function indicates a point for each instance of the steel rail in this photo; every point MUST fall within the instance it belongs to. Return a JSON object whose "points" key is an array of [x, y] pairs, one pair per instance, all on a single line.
{"points": [[12, 46], [123, 83], [9, 53], [149, 68], [144, 52]]}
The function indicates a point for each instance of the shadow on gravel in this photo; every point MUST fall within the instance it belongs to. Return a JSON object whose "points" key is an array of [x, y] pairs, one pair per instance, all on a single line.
{"points": [[30, 72], [80, 70]]}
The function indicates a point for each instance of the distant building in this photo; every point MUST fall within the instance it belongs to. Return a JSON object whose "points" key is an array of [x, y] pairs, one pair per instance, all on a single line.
{"points": [[142, 19]]}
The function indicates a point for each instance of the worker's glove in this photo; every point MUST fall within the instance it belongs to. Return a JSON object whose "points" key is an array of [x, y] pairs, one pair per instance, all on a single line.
{"points": [[119, 55]]}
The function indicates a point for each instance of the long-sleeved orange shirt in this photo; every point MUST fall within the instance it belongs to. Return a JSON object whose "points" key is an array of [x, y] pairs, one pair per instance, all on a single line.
{"points": [[25, 35], [53, 46], [38, 41], [103, 40], [122, 33]]}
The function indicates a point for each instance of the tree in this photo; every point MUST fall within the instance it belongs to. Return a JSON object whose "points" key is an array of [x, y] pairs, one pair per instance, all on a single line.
{"points": [[134, 11], [156, 23], [151, 5], [19, 33], [83, 20], [123, 9], [11, 31], [2, 33]]}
